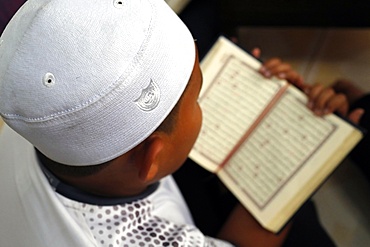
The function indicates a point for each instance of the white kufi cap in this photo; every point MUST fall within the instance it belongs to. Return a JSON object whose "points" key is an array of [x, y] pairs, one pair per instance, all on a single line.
{"points": [[87, 80]]}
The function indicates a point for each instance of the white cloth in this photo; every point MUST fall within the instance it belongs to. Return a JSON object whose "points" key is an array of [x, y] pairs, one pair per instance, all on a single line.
{"points": [[32, 214]]}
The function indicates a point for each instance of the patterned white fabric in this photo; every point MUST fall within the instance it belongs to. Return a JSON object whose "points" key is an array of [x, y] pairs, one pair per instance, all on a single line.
{"points": [[141, 223], [32, 214]]}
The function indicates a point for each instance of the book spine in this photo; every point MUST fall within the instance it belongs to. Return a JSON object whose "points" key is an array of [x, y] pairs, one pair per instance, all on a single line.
{"points": [[243, 139]]}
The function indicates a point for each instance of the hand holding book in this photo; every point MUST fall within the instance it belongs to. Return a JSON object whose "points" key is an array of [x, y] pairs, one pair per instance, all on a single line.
{"points": [[321, 100], [260, 137]]}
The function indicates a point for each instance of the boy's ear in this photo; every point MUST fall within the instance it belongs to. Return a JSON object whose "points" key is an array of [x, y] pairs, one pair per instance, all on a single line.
{"points": [[150, 161]]}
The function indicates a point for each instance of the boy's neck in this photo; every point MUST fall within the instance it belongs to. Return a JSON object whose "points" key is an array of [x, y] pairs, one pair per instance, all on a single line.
{"points": [[77, 194], [114, 180], [107, 185]]}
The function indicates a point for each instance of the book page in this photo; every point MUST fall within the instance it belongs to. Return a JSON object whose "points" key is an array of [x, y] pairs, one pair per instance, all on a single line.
{"points": [[229, 107], [278, 148], [286, 158], [259, 136]]}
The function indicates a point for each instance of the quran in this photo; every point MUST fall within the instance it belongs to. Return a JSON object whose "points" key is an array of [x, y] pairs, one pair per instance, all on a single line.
{"points": [[261, 139]]}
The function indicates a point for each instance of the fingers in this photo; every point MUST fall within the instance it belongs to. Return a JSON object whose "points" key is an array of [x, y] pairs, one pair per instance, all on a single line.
{"points": [[276, 67], [355, 115], [323, 101], [256, 52], [337, 103], [348, 88]]}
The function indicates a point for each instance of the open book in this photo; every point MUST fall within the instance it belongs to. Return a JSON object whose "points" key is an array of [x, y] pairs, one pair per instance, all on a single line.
{"points": [[177, 5], [261, 139]]}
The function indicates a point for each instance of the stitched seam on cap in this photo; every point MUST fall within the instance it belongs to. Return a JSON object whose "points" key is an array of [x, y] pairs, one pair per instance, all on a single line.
{"points": [[111, 88]]}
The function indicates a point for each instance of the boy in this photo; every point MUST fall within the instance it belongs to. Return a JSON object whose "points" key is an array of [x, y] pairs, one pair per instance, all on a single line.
{"points": [[104, 96]]}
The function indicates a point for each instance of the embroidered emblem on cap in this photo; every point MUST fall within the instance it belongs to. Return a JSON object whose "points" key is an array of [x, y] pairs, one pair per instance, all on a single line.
{"points": [[149, 98]]}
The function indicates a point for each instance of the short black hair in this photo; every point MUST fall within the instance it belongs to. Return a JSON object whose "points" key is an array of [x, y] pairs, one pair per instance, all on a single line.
{"points": [[68, 170]]}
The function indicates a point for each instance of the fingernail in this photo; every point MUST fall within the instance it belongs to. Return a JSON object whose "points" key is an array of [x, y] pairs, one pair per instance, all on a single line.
{"points": [[282, 75]]}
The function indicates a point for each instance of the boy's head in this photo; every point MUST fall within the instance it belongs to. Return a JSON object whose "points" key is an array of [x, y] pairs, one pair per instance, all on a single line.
{"points": [[86, 81]]}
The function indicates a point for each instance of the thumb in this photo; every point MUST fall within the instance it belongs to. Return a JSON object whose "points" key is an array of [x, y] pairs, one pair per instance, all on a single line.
{"points": [[355, 115], [256, 52]]}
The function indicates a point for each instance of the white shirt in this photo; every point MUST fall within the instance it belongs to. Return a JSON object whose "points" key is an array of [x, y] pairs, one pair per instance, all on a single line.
{"points": [[33, 214]]}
